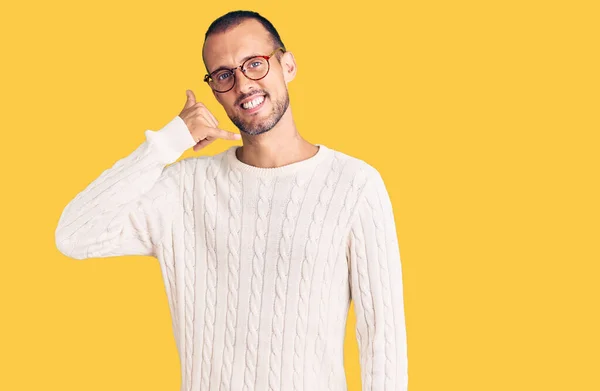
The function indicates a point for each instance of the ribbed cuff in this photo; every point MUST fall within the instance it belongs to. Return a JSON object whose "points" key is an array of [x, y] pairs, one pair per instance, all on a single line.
{"points": [[172, 140]]}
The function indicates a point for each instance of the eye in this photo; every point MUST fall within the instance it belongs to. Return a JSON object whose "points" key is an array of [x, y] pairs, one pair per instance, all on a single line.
{"points": [[222, 76]]}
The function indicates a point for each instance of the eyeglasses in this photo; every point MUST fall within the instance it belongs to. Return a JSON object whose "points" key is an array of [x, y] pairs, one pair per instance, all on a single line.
{"points": [[255, 68]]}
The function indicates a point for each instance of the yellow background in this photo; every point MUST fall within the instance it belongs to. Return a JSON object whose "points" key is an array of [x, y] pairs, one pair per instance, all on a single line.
{"points": [[481, 116]]}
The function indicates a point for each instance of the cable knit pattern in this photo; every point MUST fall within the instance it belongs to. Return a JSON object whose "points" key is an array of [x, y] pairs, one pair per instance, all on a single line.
{"points": [[319, 344], [189, 275], [210, 213], [307, 269], [263, 208], [356, 187], [374, 270], [233, 272], [296, 196], [388, 334], [259, 264]]}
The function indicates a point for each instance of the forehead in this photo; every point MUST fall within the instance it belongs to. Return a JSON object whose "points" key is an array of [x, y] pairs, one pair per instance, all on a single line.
{"points": [[228, 49]]}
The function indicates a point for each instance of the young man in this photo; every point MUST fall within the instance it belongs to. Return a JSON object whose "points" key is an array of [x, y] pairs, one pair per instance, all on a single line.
{"points": [[262, 246]]}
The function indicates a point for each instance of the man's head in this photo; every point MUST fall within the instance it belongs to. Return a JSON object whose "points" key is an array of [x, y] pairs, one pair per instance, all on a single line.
{"points": [[229, 40]]}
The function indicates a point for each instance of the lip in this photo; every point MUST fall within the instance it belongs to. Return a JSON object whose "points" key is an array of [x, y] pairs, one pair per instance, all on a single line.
{"points": [[250, 98], [254, 109]]}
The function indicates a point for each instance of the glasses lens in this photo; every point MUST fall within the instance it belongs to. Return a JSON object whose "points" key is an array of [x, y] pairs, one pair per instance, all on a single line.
{"points": [[256, 68], [222, 80]]}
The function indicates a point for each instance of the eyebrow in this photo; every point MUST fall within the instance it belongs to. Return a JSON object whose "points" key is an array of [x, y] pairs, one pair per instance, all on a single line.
{"points": [[243, 60]]}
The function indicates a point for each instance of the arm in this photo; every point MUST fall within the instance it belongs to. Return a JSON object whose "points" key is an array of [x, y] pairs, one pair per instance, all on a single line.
{"points": [[124, 210], [377, 291]]}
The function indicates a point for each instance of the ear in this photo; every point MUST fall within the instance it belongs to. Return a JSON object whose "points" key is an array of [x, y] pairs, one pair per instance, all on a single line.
{"points": [[288, 63]]}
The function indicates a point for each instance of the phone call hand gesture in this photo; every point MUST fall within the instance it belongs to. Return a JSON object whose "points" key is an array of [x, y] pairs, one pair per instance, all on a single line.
{"points": [[202, 124]]}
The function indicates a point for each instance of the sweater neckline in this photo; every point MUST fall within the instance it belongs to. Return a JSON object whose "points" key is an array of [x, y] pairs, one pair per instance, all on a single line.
{"points": [[287, 169]]}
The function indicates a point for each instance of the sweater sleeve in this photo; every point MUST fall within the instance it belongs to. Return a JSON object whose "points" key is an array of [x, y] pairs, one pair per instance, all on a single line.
{"points": [[376, 288], [124, 210]]}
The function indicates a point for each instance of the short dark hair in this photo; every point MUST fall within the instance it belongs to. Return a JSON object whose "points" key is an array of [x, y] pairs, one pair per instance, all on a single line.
{"points": [[234, 18]]}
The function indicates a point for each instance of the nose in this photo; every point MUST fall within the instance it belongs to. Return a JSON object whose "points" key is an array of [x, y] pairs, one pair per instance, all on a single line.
{"points": [[242, 83]]}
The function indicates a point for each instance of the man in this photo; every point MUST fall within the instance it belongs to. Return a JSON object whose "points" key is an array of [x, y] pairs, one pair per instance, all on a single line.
{"points": [[262, 246]]}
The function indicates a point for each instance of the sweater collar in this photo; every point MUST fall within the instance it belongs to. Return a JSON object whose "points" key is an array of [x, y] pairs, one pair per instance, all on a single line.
{"points": [[287, 169]]}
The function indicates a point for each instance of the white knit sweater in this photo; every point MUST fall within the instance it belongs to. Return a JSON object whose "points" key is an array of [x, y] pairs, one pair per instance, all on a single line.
{"points": [[259, 264]]}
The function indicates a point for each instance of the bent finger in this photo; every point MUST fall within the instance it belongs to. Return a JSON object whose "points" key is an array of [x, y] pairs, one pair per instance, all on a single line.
{"points": [[202, 143], [209, 120]]}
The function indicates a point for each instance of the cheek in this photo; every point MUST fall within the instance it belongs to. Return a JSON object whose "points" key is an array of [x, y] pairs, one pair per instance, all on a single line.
{"points": [[278, 87], [228, 104]]}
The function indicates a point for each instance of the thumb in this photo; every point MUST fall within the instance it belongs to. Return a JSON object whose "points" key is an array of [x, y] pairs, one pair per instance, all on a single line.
{"points": [[191, 99]]}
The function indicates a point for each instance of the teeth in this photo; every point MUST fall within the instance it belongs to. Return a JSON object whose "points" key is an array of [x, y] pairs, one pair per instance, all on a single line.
{"points": [[253, 103]]}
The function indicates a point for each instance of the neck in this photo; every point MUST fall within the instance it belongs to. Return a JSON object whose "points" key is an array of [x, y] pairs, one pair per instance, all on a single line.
{"points": [[280, 146]]}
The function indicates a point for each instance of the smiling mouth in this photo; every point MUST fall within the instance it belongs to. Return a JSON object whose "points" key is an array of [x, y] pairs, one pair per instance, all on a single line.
{"points": [[255, 103]]}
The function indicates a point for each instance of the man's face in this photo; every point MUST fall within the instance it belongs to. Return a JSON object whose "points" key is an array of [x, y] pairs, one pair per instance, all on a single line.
{"points": [[229, 49]]}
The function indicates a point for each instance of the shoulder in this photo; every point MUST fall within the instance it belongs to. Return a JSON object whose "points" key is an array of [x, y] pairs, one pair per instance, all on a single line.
{"points": [[361, 183], [357, 170], [191, 164], [367, 182]]}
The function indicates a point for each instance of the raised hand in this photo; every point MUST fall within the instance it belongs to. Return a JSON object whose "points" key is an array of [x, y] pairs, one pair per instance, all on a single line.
{"points": [[202, 123]]}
